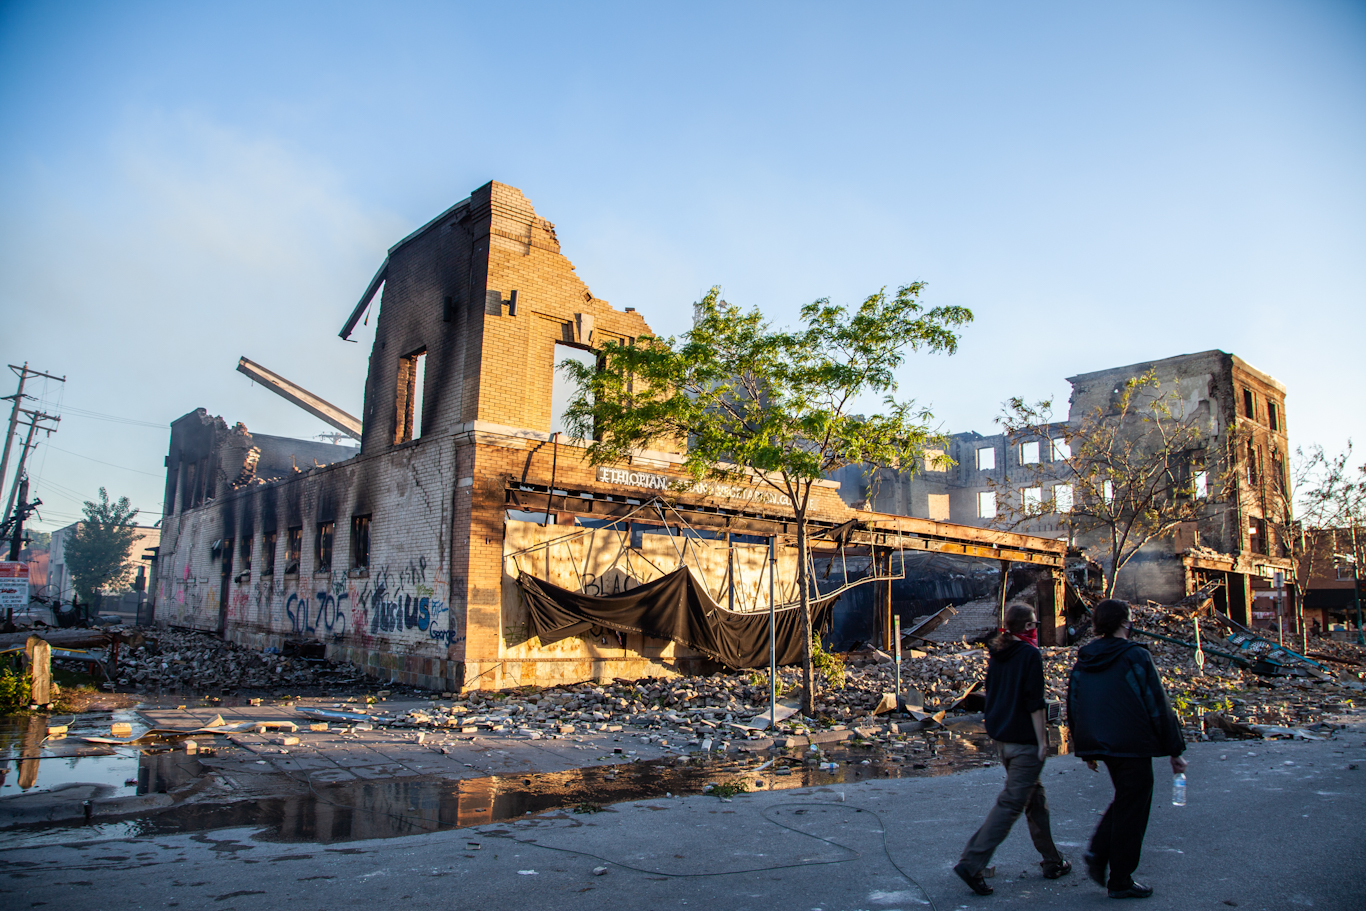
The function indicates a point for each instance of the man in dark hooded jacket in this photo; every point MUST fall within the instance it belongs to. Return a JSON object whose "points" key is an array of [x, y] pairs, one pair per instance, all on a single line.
{"points": [[1119, 715], [1015, 718]]}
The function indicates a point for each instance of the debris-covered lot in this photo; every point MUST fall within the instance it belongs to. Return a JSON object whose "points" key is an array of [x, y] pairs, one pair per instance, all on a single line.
{"points": [[1220, 699]]}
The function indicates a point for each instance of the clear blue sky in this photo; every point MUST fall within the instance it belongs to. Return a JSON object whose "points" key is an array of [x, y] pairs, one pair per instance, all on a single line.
{"points": [[1102, 183]]}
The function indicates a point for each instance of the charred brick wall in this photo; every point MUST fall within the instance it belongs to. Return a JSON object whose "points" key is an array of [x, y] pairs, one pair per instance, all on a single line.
{"points": [[427, 607]]}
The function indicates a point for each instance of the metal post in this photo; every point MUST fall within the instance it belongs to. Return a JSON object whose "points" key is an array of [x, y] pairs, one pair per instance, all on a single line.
{"points": [[896, 623], [1279, 581], [1199, 651], [1356, 583], [772, 638], [1001, 607]]}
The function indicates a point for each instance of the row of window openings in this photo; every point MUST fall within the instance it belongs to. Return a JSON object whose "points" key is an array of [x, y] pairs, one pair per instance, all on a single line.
{"points": [[1060, 451], [1031, 498], [1273, 410], [324, 535]]}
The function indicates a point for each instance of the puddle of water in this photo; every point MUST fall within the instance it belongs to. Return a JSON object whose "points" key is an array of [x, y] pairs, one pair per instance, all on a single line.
{"points": [[388, 808], [29, 761], [32, 763]]}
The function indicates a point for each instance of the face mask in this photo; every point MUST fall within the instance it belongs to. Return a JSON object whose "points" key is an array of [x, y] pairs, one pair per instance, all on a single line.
{"points": [[1029, 635]]}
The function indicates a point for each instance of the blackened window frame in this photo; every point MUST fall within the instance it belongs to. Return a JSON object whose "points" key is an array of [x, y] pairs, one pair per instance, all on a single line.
{"points": [[324, 536], [360, 544], [294, 547], [268, 542]]}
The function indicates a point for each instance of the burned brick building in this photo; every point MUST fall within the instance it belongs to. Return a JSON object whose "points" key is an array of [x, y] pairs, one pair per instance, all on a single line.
{"points": [[403, 557], [1242, 537]]}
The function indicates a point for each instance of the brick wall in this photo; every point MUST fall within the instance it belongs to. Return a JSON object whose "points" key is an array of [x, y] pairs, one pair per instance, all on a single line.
{"points": [[429, 609]]}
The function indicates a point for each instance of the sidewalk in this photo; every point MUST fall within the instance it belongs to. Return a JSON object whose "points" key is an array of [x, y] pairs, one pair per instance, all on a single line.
{"points": [[1270, 825]]}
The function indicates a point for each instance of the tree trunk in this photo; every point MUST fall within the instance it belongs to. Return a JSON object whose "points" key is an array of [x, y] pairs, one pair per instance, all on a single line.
{"points": [[1111, 582], [808, 670]]}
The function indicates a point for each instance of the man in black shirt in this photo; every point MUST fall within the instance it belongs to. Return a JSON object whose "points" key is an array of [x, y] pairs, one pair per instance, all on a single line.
{"points": [[1016, 719]]}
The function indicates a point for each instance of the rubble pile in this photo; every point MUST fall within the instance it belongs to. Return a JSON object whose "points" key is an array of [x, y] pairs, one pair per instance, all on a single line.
{"points": [[729, 705], [1236, 693], [177, 660]]}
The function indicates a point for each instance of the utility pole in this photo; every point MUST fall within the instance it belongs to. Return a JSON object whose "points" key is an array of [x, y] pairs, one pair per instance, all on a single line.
{"points": [[16, 541], [24, 374], [35, 417]]}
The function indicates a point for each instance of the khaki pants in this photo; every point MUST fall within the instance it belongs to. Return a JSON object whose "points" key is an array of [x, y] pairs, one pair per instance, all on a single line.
{"points": [[1022, 794]]}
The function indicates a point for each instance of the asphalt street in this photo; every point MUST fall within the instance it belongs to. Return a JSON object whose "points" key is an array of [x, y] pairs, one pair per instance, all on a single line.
{"points": [[1269, 825]]}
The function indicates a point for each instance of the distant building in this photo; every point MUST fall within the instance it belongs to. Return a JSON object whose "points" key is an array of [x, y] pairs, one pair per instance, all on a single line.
{"points": [[1329, 598], [1242, 537], [59, 585]]}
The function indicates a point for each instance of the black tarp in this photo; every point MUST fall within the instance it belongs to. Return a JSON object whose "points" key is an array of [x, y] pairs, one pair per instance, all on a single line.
{"points": [[673, 607]]}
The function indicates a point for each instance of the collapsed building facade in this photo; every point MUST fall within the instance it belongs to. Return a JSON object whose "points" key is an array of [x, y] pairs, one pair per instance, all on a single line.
{"points": [[1243, 535], [404, 557]]}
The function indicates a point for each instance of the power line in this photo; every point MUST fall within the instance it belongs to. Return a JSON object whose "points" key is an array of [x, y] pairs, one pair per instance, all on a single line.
{"points": [[110, 464], [117, 419]]}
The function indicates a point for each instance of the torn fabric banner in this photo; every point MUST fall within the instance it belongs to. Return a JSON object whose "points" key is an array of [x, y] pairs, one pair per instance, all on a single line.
{"points": [[673, 607]]}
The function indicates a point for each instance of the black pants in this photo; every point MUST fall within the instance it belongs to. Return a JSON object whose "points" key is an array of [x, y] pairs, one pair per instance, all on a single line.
{"points": [[1118, 839]]}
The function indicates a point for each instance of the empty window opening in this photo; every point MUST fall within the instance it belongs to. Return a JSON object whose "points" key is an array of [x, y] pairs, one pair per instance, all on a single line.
{"points": [[939, 507], [986, 504], [268, 553], [1062, 450], [1029, 453], [187, 492], [1253, 464], [360, 543], [1273, 416], [563, 388], [1200, 484], [1256, 533], [245, 562], [322, 547], [1062, 498], [986, 459], [1249, 404], [294, 548], [1031, 498], [527, 515], [412, 380]]}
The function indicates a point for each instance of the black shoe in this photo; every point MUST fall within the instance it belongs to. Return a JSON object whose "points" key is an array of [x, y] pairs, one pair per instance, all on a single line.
{"points": [[975, 881], [1135, 890], [1095, 868], [1054, 871]]}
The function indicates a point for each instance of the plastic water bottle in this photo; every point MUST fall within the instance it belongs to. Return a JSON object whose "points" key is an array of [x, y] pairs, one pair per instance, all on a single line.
{"points": [[1179, 789]]}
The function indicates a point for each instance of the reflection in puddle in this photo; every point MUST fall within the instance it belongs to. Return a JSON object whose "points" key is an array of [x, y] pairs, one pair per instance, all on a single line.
{"points": [[329, 813]]}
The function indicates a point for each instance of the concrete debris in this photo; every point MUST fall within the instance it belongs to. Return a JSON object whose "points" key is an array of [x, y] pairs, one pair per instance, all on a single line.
{"points": [[938, 684], [175, 660]]}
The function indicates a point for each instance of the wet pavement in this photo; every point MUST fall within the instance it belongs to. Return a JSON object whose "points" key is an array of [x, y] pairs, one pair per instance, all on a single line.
{"points": [[352, 782], [878, 843]]}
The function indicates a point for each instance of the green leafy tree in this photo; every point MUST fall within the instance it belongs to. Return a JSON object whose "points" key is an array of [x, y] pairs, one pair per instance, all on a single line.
{"points": [[1128, 475], [97, 551], [754, 404]]}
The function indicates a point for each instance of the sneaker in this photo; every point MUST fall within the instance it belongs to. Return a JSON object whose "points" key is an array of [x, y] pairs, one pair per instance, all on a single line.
{"points": [[1095, 868], [1135, 890], [976, 882], [1054, 871]]}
